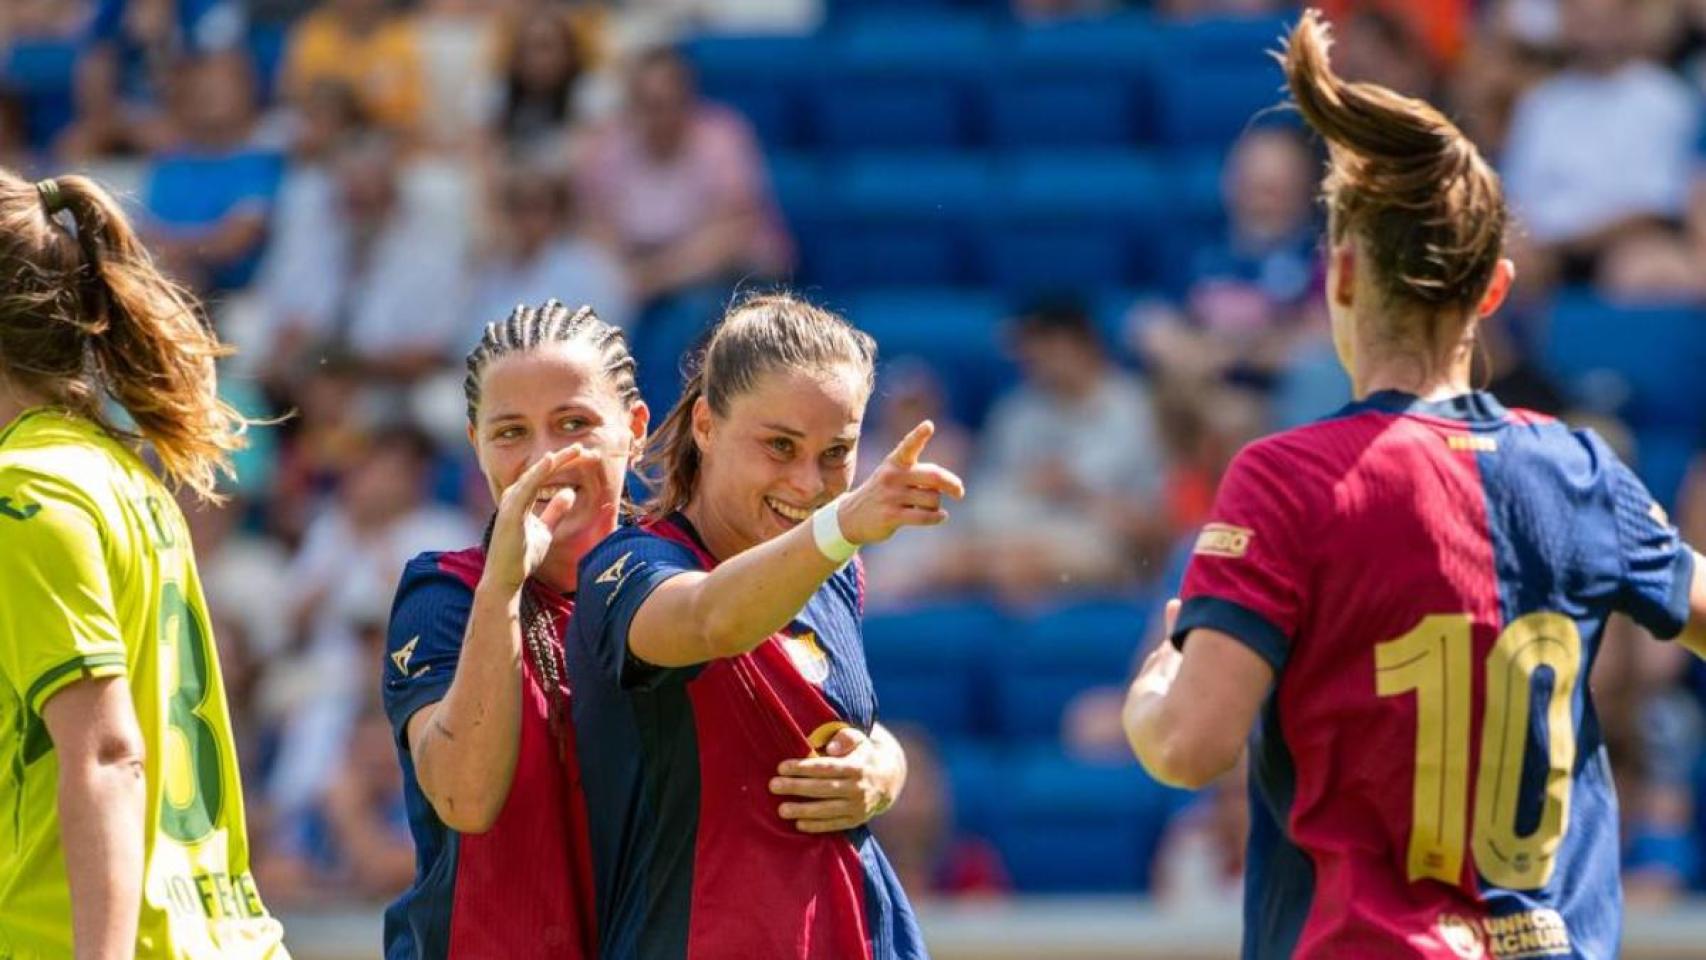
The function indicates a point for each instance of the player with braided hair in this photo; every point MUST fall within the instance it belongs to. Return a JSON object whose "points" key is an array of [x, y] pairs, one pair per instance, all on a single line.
{"points": [[474, 676]]}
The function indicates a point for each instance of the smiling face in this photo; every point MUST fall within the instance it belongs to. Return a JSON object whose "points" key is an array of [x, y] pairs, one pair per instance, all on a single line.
{"points": [[541, 400], [784, 448]]}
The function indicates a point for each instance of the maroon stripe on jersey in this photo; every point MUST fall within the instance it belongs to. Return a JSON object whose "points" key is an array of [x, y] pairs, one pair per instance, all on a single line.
{"points": [[761, 888], [523, 888], [1409, 538]]}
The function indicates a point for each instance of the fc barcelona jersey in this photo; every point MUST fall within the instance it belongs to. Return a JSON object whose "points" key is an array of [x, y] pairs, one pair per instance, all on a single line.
{"points": [[690, 857], [521, 890], [1430, 582]]}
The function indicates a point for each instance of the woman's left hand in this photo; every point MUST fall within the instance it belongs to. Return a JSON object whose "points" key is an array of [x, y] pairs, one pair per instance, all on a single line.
{"points": [[856, 777]]}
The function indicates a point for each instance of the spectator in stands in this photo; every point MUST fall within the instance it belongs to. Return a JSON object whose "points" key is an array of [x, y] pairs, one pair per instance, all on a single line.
{"points": [[1248, 290], [209, 196], [1601, 154], [904, 570], [546, 53], [456, 39], [383, 282], [678, 186], [1190, 9], [930, 855], [367, 824], [365, 45], [1069, 477], [1442, 27], [540, 253], [130, 51], [339, 582]]}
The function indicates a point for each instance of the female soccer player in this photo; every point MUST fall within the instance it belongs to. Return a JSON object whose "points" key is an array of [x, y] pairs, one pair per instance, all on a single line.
{"points": [[474, 678], [125, 832], [1409, 596], [721, 638]]}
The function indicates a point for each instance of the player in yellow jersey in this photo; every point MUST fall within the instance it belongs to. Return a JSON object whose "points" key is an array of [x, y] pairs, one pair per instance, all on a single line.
{"points": [[121, 816]]}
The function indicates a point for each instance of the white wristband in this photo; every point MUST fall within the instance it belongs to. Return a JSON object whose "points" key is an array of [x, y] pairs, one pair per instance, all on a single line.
{"points": [[826, 530]]}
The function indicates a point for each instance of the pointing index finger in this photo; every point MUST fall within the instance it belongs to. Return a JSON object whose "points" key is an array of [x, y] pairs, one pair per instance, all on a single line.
{"points": [[907, 451]]}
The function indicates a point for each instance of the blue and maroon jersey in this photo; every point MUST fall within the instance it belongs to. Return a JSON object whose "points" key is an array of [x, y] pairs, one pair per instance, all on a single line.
{"points": [[1430, 582], [691, 858], [522, 889]]}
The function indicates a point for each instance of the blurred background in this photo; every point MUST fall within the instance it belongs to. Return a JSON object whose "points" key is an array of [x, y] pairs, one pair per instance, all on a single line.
{"points": [[1087, 246]]}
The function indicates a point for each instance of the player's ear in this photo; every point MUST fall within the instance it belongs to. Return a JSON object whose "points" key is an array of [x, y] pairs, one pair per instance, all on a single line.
{"points": [[639, 421], [1343, 274], [702, 424], [1498, 288]]}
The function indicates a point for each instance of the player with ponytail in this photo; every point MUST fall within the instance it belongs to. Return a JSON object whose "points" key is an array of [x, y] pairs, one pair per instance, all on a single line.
{"points": [[1399, 604], [131, 837]]}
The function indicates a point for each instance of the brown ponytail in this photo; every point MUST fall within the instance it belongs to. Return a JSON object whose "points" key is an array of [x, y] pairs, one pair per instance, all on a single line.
{"points": [[759, 334], [1402, 177], [85, 315]]}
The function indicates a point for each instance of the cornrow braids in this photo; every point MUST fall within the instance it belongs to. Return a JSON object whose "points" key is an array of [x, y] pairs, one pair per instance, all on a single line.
{"points": [[543, 648], [529, 328], [525, 330]]}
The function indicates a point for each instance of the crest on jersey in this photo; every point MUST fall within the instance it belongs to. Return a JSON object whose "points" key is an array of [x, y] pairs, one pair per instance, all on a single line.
{"points": [[406, 653], [808, 657], [617, 572], [1224, 540], [1461, 936]]}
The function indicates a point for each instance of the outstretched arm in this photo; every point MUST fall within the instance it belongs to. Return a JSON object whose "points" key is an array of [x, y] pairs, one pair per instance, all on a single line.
{"points": [[697, 617]]}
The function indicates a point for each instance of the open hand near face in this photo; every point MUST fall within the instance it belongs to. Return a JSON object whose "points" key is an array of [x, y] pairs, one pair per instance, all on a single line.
{"points": [[527, 512], [903, 492], [855, 778]]}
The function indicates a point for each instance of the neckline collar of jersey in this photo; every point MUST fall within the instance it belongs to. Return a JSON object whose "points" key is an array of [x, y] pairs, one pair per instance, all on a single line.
{"points": [[6, 429], [680, 519], [1477, 406]]}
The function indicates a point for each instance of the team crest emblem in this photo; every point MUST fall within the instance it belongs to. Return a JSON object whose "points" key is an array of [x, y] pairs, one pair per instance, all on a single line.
{"points": [[1461, 936], [808, 657]]}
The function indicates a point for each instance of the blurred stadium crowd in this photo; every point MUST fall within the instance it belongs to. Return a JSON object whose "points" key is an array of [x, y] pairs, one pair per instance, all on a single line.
{"points": [[1086, 250]]}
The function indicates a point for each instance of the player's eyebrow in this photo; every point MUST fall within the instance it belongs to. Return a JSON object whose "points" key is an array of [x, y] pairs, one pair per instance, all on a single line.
{"points": [[516, 415], [847, 438]]}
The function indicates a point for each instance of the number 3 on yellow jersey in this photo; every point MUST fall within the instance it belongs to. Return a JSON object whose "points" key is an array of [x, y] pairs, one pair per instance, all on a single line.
{"points": [[1434, 662], [194, 786]]}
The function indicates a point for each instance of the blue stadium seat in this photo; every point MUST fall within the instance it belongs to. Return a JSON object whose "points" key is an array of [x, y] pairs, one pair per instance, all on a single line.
{"points": [[975, 771], [41, 74], [765, 77], [1077, 83], [1060, 653], [1642, 362], [957, 333], [900, 220], [1203, 106], [1069, 826], [904, 80], [1224, 40], [929, 663], [1077, 220]]}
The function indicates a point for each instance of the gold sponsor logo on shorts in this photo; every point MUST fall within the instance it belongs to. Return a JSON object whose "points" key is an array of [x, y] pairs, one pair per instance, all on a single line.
{"points": [[1520, 936], [1224, 540]]}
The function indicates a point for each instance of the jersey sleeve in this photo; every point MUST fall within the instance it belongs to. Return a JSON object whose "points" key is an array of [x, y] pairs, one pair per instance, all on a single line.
{"points": [[615, 580], [423, 641], [1657, 566], [1245, 576], [58, 622]]}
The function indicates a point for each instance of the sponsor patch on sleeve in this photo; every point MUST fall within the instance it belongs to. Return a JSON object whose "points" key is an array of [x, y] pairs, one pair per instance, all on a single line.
{"points": [[1223, 540]]}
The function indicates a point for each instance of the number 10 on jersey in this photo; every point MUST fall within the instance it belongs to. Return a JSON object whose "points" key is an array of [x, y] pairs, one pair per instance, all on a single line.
{"points": [[1434, 662]]}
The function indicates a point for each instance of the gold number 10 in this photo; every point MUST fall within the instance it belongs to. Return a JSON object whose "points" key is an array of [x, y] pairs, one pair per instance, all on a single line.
{"points": [[1433, 661]]}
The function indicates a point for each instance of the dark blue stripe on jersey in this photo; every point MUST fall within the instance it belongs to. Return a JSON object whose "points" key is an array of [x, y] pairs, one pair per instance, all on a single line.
{"points": [[417, 924], [1236, 621], [1557, 548], [1279, 878]]}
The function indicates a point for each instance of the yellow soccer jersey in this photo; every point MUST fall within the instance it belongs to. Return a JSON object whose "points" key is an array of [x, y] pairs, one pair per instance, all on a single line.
{"points": [[97, 579]]}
